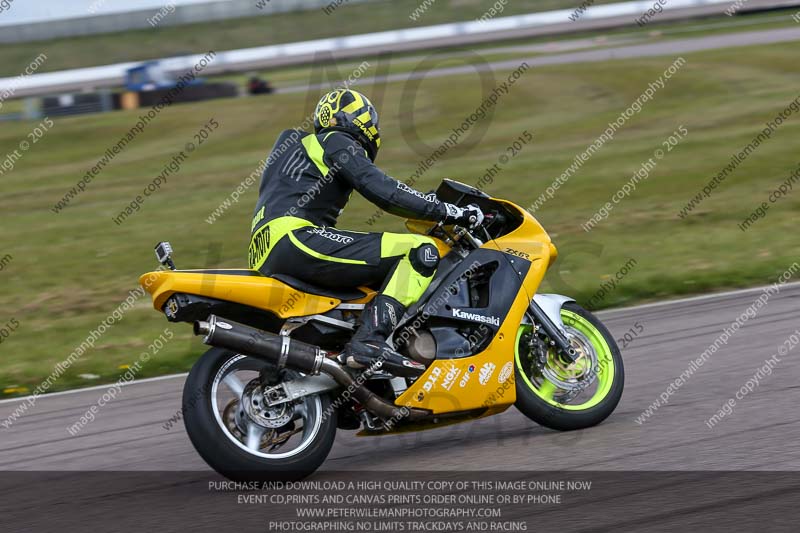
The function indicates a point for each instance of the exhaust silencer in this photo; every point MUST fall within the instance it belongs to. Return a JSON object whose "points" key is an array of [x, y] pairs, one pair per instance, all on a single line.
{"points": [[295, 355], [279, 350]]}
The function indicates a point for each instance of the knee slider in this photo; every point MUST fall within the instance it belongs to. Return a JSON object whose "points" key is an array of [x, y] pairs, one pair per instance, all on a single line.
{"points": [[424, 259]]}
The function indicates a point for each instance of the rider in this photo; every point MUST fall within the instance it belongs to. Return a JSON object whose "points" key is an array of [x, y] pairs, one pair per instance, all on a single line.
{"points": [[306, 184]]}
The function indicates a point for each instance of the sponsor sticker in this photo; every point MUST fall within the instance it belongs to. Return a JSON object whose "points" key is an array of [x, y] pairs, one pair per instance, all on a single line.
{"points": [[505, 372], [432, 379], [486, 372], [450, 378], [467, 375]]}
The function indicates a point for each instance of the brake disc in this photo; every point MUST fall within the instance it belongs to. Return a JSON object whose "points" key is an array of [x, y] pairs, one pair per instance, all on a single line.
{"points": [[256, 407], [570, 378]]}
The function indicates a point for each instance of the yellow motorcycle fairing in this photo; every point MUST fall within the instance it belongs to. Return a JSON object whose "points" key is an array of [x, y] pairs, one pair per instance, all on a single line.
{"points": [[246, 287], [485, 381]]}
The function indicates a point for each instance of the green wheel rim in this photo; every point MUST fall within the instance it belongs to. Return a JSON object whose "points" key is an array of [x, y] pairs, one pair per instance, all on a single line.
{"points": [[604, 368]]}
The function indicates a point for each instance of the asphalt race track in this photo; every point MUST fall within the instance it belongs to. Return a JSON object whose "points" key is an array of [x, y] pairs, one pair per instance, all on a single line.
{"points": [[761, 434], [622, 50]]}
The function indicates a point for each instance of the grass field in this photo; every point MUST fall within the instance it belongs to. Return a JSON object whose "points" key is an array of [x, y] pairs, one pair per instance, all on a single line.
{"points": [[68, 271]]}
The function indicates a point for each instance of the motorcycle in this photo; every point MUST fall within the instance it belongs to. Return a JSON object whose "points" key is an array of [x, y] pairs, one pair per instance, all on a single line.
{"points": [[266, 400]]}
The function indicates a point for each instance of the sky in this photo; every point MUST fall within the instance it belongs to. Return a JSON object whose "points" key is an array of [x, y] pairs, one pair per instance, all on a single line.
{"points": [[23, 11]]}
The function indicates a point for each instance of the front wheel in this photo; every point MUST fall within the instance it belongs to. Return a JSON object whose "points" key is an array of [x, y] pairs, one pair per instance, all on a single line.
{"points": [[564, 396], [243, 438]]}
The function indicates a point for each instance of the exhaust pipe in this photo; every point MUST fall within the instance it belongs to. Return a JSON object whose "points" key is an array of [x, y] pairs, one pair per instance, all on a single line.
{"points": [[284, 352], [279, 350]]}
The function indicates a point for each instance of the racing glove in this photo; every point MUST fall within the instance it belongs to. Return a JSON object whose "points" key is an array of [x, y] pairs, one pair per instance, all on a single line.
{"points": [[470, 216]]}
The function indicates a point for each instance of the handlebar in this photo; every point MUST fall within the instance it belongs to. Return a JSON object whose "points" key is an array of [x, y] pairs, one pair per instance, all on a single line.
{"points": [[465, 233]]}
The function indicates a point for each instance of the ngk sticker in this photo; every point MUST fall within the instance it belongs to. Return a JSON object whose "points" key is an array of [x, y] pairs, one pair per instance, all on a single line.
{"points": [[486, 373], [432, 379], [505, 372], [450, 378]]}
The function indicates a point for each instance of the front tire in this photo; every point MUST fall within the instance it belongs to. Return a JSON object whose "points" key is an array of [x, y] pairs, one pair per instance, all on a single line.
{"points": [[596, 380], [231, 442]]}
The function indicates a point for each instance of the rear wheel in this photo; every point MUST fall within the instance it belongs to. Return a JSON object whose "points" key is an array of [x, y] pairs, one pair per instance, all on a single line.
{"points": [[565, 396], [239, 435]]}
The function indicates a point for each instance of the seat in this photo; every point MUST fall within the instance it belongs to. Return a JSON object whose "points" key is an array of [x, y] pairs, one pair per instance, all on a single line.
{"points": [[344, 294], [246, 287], [340, 294], [225, 271]]}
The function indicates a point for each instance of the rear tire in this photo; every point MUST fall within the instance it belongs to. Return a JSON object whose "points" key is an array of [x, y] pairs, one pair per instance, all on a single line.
{"points": [[215, 444], [532, 401]]}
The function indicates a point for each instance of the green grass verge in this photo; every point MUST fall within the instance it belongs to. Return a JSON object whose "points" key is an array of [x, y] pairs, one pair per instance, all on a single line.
{"points": [[70, 270]]}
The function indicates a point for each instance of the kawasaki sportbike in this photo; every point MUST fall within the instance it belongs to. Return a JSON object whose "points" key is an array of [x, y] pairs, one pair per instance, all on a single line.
{"points": [[266, 400]]}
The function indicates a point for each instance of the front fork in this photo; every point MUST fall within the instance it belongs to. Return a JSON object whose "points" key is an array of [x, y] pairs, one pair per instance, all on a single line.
{"points": [[556, 334]]}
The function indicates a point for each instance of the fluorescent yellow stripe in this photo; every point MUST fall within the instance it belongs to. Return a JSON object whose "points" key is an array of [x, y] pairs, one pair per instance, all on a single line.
{"points": [[365, 117], [324, 257], [406, 284], [315, 152], [394, 244], [355, 105], [263, 240], [282, 225]]}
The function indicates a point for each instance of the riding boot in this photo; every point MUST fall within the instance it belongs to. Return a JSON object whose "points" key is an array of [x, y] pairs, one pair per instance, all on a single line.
{"points": [[368, 347]]}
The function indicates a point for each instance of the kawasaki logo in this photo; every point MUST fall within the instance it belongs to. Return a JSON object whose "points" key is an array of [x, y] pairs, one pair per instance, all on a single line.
{"points": [[475, 317]]}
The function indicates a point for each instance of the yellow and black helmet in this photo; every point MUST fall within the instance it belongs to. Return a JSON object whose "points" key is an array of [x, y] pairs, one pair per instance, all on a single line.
{"points": [[352, 112]]}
